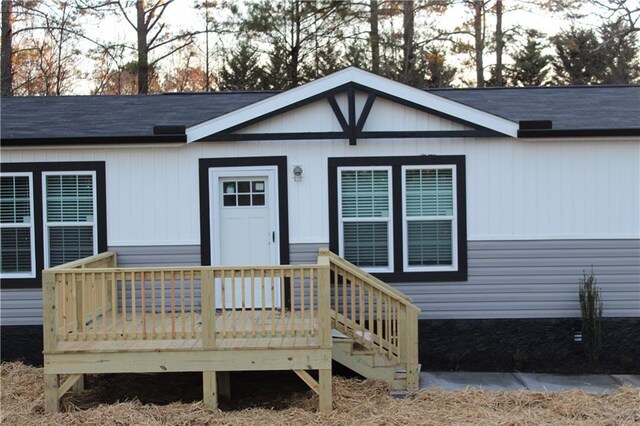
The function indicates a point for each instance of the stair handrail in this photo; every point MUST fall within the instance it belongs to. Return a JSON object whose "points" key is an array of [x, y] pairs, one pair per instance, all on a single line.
{"points": [[377, 283], [400, 341]]}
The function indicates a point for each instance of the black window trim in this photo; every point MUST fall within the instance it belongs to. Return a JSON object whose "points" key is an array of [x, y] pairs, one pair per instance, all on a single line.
{"points": [[396, 163], [101, 203], [205, 214]]}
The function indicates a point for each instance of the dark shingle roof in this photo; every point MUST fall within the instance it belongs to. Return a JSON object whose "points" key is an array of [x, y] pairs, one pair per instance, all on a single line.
{"points": [[572, 107], [569, 108], [112, 116]]}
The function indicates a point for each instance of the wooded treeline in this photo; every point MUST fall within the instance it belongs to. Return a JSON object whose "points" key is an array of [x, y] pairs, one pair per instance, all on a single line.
{"points": [[49, 47]]}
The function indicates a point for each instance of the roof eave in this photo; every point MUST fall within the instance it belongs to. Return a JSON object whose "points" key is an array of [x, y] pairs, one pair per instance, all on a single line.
{"points": [[564, 133], [94, 140]]}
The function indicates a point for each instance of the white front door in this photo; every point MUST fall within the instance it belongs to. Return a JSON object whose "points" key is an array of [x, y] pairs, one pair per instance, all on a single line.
{"points": [[245, 232]]}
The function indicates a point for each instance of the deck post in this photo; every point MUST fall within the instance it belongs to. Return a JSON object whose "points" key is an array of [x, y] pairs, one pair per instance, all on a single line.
{"points": [[78, 386], [49, 314], [413, 372], [324, 390], [207, 285], [224, 384], [210, 389], [324, 300], [51, 401]]}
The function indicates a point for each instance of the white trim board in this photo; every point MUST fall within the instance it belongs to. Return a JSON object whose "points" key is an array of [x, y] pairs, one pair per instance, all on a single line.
{"points": [[364, 78]]}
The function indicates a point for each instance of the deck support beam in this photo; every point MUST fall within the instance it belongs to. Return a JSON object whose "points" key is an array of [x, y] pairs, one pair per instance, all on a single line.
{"points": [[210, 389], [51, 399]]}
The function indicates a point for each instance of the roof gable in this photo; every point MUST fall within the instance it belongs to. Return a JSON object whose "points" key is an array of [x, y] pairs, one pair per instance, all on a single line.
{"points": [[347, 82]]}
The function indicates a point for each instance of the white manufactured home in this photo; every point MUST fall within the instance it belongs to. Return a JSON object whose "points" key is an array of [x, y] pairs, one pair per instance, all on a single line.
{"points": [[483, 206]]}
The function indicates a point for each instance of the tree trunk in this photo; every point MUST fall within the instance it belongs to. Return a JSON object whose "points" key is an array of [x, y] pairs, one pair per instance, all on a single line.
{"points": [[59, 67], [6, 69], [409, 57], [206, 50], [143, 49], [499, 43], [479, 41], [375, 38], [295, 49]]}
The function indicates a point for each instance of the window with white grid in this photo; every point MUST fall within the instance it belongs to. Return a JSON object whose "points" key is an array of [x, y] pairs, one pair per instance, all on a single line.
{"points": [[365, 219], [70, 216], [429, 218], [17, 258]]}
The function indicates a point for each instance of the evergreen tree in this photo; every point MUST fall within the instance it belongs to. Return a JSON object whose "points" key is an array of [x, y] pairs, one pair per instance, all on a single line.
{"points": [[277, 75], [579, 59], [296, 31], [328, 60], [620, 51], [530, 67], [242, 70], [356, 56], [437, 72]]}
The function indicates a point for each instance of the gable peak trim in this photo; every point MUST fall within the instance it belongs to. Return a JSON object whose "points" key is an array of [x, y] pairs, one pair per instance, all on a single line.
{"points": [[338, 82]]}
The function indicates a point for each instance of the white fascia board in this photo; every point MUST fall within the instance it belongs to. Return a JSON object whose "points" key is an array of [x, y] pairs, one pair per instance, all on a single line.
{"points": [[363, 78]]}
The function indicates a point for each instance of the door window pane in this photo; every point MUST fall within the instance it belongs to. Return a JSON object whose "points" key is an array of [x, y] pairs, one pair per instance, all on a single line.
{"points": [[244, 193]]}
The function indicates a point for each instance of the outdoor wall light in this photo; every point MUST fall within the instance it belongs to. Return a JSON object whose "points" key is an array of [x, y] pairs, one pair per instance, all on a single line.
{"points": [[297, 173]]}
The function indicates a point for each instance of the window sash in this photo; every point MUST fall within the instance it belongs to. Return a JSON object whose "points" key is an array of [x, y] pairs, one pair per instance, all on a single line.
{"points": [[49, 225], [373, 219], [22, 225], [452, 218]]}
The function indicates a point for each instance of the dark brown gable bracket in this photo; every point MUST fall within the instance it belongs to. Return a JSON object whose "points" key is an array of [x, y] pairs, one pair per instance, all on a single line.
{"points": [[352, 126]]}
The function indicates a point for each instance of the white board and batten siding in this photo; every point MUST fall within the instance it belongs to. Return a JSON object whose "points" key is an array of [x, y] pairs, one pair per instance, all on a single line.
{"points": [[516, 190], [539, 211]]}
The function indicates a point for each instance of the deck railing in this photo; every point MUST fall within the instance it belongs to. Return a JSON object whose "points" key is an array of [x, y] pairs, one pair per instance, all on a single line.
{"points": [[374, 314], [94, 300]]}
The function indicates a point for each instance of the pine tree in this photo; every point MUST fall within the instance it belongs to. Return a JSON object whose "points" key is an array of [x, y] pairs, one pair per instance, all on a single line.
{"points": [[530, 67], [621, 53], [242, 70], [439, 74], [579, 59]]}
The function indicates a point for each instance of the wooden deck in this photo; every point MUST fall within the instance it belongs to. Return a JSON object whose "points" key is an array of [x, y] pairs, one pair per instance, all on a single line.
{"points": [[99, 318]]}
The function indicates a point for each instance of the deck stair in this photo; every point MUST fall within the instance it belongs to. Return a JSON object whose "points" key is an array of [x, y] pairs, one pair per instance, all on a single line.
{"points": [[368, 363], [375, 327]]}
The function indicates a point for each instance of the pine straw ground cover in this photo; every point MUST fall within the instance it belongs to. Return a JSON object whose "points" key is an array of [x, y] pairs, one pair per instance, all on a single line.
{"points": [[355, 402]]}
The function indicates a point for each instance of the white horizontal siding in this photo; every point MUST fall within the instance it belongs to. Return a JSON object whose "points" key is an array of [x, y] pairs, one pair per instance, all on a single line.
{"points": [[515, 189]]}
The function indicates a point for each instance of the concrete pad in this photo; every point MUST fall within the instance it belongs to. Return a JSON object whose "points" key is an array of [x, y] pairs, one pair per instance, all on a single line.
{"points": [[454, 380], [596, 383], [627, 379]]}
